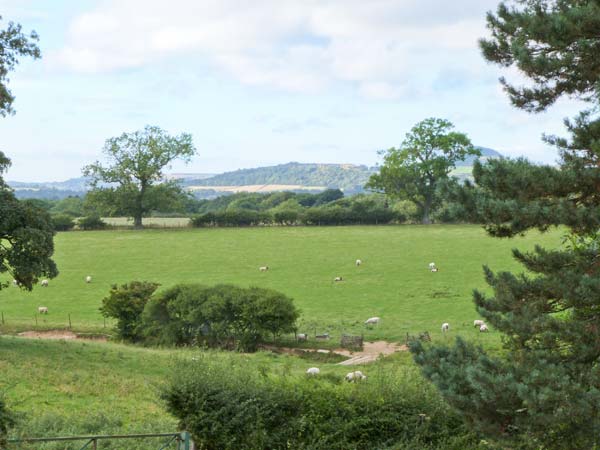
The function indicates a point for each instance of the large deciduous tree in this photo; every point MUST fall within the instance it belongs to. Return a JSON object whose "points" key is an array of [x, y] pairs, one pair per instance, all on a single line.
{"points": [[13, 44], [427, 155], [544, 390], [135, 169]]}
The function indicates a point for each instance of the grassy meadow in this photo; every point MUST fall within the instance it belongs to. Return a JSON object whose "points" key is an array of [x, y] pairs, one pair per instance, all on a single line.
{"points": [[393, 283]]}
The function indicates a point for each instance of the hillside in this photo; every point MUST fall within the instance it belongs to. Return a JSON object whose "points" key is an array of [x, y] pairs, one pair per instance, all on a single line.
{"points": [[348, 177]]}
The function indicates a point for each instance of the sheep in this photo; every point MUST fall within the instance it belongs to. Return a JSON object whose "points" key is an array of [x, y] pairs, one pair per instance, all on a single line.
{"points": [[483, 328], [43, 309], [15, 283], [88, 279], [263, 268], [358, 262], [372, 321], [432, 266], [302, 337], [478, 323], [357, 375], [313, 371], [445, 327], [338, 279], [44, 283], [435, 269]]}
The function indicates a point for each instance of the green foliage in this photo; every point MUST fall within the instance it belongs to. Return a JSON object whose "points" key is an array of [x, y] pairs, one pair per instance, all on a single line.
{"points": [[126, 304], [70, 206], [7, 420], [545, 392], [230, 404], [62, 222], [135, 164], [26, 238], [427, 155], [13, 44], [221, 315], [91, 223]]}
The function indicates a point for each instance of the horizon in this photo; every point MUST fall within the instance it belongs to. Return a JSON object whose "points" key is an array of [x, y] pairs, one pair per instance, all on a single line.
{"points": [[316, 82]]}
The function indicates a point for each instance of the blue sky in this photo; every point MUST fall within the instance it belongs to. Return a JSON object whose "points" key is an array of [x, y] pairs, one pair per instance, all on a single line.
{"points": [[257, 83]]}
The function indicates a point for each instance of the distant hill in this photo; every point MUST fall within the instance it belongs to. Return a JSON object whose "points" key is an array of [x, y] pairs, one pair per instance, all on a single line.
{"points": [[348, 177], [293, 176]]}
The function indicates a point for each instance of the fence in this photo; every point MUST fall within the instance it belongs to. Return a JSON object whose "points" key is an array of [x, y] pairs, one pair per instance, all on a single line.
{"points": [[178, 441]]}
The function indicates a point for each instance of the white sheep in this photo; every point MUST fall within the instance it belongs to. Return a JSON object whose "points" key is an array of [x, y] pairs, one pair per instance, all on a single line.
{"points": [[313, 371], [44, 283], [15, 283], [88, 279], [357, 375], [445, 327], [302, 337], [372, 321], [432, 266], [478, 323], [338, 279], [43, 309], [483, 328], [263, 268], [358, 262]]}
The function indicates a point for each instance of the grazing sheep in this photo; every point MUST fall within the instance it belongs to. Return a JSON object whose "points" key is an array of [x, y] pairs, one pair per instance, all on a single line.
{"points": [[323, 336], [44, 283], [302, 337], [357, 375], [338, 279], [445, 327], [15, 283], [88, 279], [358, 262], [372, 321], [483, 328], [263, 268], [43, 309], [435, 269], [432, 266], [478, 323], [313, 371]]}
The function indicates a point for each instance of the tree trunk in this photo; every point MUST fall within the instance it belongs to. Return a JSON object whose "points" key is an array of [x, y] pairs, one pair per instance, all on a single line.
{"points": [[139, 207], [426, 210]]}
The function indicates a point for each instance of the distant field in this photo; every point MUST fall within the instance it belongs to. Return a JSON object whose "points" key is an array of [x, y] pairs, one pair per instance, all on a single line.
{"points": [[393, 282], [155, 222]]}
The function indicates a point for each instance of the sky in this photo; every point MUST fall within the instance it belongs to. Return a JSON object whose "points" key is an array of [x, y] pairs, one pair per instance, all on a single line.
{"points": [[257, 83]]}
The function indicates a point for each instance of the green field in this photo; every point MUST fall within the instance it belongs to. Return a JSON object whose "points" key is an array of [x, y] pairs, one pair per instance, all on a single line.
{"points": [[393, 283]]}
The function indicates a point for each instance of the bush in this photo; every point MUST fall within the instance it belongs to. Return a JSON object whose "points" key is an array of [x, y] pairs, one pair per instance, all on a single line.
{"points": [[228, 404], [126, 304], [62, 222], [7, 420], [91, 223], [221, 316]]}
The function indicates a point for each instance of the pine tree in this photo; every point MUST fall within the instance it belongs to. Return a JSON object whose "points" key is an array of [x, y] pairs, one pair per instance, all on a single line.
{"points": [[543, 390]]}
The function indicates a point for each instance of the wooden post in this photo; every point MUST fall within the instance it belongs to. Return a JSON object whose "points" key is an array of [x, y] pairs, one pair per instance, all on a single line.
{"points": [[3, 318], [70, 321]]}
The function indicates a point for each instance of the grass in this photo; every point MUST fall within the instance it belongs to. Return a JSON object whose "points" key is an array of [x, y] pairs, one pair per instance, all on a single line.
{"points": [[393, 283]]}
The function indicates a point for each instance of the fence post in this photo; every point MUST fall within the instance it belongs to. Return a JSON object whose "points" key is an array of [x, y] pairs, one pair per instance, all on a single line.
{"points": [[70, 321], [185, 436], [2, 318]]}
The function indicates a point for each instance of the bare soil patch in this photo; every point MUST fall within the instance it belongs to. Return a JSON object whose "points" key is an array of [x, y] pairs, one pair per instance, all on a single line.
{"points": [[62, 334]]}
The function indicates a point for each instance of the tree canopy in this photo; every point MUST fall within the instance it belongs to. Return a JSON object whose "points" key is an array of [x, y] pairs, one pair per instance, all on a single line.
{"points": [[545, 393], [426, 156], [132, 181], [13, 44]]}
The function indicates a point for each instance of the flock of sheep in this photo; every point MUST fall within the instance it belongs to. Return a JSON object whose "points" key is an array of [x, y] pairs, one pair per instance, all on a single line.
{"points": [[44, 283], [351, 377]]}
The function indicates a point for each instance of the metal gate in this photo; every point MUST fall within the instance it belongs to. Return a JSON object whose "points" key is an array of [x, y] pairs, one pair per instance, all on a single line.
{"points": [[178, 441]]}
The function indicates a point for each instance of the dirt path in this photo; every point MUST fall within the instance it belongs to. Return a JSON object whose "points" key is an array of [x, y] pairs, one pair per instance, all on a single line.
{"points": [[61, 334]]}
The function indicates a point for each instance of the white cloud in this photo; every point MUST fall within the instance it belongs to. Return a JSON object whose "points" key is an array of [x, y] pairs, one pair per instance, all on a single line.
{"points": [[300, 46]]}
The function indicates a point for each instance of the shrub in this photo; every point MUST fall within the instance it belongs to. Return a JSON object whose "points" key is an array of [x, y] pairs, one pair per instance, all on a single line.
{"points": [[228, 404], [222, 316], [62, 222], [126, 304], [91, 223], [7, 420]]}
